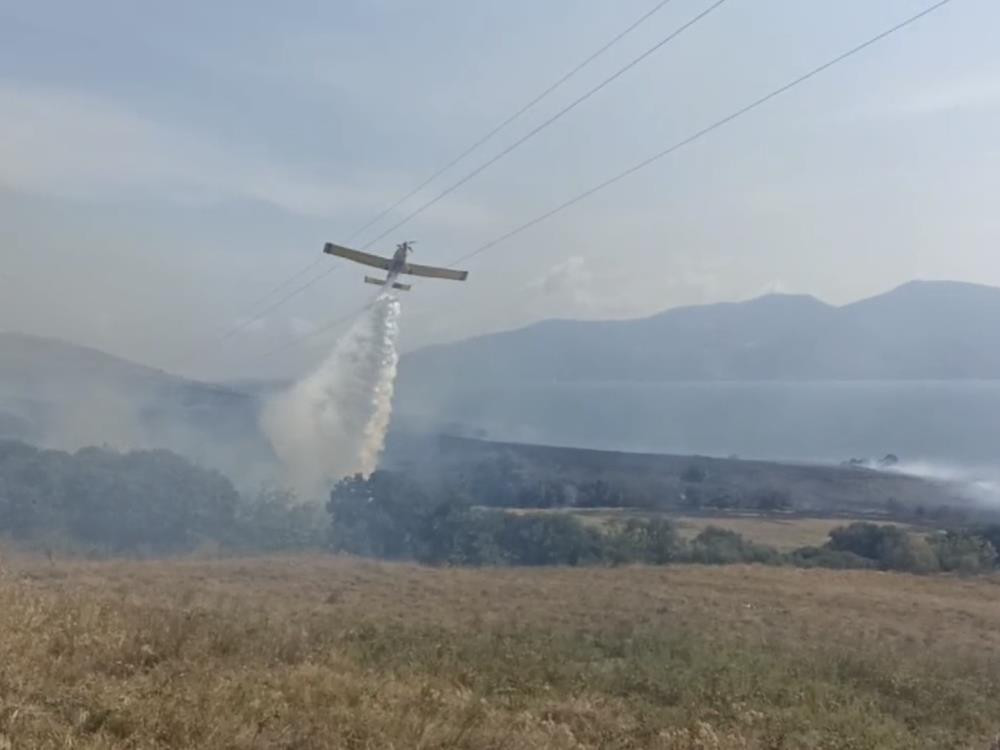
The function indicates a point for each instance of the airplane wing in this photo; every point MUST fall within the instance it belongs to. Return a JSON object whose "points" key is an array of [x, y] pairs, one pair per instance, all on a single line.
{"points": [[357, 256], [432, 272]]}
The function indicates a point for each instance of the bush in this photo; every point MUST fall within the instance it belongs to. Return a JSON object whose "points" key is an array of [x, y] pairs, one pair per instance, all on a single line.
{"points": [[548, 539], [654, 541], [893, 548], [715, 546], [824, 557], [991, 534], [275, 522], [910, 553], [863, 539], [963, 552]]}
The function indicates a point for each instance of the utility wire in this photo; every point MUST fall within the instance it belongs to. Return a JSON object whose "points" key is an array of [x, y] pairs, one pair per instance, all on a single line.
{"points": [[704, 131], [539, 128], [656, 157], [246, 323], [614, 40]]}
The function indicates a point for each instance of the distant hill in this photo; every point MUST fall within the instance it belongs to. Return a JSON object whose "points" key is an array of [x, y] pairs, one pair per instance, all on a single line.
{"points": [[659, 481], [776, 377], [67, 396], [919, 331]]}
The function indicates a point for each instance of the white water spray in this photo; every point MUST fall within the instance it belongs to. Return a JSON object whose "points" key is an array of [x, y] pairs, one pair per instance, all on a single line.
{"points": [[333, 423]]}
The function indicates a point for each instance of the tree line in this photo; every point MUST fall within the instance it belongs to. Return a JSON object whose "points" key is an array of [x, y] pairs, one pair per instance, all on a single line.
{"points": [[388, 516], [103, 502], [154, 502]]}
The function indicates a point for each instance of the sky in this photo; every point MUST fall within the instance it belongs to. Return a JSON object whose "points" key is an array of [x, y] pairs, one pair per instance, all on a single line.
{"points": [[165, 166]]}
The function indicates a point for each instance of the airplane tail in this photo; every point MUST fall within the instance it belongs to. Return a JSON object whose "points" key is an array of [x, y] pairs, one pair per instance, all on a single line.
{"points": [[380, 282]]}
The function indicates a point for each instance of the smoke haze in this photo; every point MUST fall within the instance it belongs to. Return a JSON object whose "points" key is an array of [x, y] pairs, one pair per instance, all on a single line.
{"points": [[978, 483]]}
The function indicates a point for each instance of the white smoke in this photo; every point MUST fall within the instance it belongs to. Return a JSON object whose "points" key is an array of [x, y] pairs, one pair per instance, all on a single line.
{"points": [[333, 423], [978, 483]]}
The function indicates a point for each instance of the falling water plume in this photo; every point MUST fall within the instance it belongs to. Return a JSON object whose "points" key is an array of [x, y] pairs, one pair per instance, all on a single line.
{"points": [[333, 423]]}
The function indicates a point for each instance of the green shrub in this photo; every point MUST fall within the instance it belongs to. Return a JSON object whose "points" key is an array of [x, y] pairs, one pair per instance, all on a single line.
{"points": [[715, 546], [824, 557]]}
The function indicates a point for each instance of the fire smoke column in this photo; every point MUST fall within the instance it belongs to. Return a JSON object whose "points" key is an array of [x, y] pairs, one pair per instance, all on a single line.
{"points": [[333, 423]]}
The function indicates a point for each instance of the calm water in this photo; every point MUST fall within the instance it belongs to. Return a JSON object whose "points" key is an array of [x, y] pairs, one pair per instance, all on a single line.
{"points": [[947, 422]]}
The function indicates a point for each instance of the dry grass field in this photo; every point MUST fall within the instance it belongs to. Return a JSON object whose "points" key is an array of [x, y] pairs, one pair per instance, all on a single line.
{"points": [[784, 534], [324, 652]]}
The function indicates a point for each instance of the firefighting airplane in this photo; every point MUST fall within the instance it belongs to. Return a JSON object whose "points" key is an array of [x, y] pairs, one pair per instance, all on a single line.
{"points": [[394, 266]]}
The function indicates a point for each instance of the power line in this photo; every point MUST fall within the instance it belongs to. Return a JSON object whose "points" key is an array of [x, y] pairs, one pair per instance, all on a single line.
{"points": [[704, 131], [246, 323], [539, 128], [614, 40], [665, 152]]}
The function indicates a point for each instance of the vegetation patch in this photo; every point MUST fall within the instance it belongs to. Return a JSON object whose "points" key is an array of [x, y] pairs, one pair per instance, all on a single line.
{"points": [[323, 652]]}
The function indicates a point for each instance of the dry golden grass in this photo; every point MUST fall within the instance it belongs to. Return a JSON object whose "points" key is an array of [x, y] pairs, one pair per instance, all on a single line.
{"points": [[784, 534], [329, 653]]}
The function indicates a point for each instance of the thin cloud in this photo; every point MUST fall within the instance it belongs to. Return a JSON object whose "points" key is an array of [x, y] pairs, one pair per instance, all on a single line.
{"points": [[68, 144], [970, 94]]}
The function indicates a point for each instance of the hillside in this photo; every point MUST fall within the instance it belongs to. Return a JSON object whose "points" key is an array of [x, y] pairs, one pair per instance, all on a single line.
{"points": [[67, 396], [919, 331], [659, 481], [914, 371]]}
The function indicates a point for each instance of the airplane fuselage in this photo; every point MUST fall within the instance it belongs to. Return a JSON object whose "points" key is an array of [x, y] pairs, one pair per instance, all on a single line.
{"points": [[398, 264]]}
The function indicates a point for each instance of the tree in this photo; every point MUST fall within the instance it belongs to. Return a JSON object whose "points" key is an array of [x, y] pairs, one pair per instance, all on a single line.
{"points": [[911, 553], [963, 552], [693, 474], [548, 539], [772, 500], [890, 547], [598, 494], [377, 516], [715, 546], [991, 534], [142, 501], [861, 538], [497, 482], [655, 541], [824, 557], [275, 521], [547, 493]]}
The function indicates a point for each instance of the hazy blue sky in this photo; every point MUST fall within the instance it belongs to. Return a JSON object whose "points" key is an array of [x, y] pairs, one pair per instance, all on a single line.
{"points": [[164, 165]]}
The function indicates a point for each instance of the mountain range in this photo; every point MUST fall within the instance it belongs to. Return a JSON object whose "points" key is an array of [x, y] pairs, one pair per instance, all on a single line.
{"points": [[919, 331], [914, 371], [66, 396], [590, 383]]}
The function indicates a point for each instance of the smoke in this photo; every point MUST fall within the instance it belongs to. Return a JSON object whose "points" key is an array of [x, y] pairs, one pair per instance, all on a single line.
{"points": [[980, 484], [333, 423]]}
